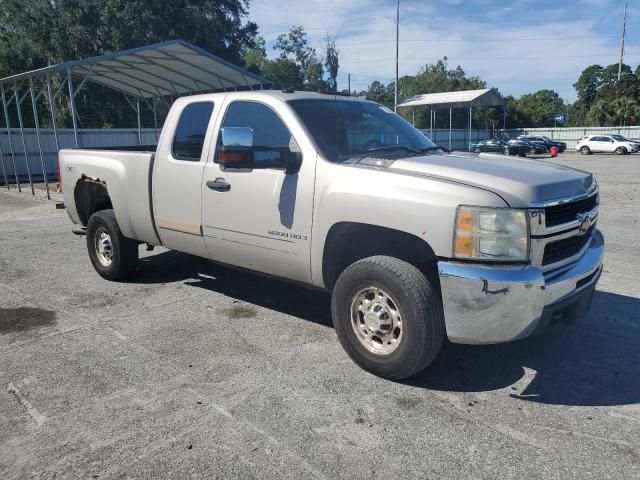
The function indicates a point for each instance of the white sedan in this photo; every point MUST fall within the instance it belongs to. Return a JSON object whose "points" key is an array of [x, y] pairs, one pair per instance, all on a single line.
{"points": [[605, 144]]}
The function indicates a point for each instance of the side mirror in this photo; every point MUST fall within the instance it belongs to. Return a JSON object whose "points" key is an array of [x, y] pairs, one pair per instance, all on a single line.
{"points": [[236, 148], [237, 136], [237, 151]]}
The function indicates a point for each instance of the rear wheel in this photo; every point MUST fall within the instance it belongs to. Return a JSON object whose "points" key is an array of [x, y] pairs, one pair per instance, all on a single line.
{"points": [[388, 317], [621, 151], [113, 256], [585, 150]]}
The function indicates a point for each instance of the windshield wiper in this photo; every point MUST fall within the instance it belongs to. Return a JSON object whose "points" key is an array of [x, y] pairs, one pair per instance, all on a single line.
{"points": [[388, 148]]}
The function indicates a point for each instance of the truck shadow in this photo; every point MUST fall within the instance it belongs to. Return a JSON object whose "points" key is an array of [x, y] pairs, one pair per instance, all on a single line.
{"points": [[595, 363], [290, 299]]}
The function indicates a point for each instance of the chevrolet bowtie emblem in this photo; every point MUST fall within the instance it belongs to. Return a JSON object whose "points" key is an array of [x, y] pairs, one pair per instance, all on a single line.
{"points": [[585, 223]]}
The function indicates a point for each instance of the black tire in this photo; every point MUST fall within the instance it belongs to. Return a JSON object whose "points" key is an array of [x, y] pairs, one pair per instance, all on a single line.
{"points": [[522, 154], [621, 151], [123, 251], [418, 303], [585, 150]]}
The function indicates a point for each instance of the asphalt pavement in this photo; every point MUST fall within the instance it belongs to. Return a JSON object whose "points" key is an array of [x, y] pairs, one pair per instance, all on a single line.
{"points": [[191, 370]]}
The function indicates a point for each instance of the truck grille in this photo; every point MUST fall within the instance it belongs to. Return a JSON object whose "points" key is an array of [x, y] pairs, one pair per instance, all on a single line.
{"points": [[567, 212], [565, 248]]}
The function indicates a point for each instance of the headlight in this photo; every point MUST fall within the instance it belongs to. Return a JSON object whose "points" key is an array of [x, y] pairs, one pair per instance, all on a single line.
{"points": [[498, 234]]}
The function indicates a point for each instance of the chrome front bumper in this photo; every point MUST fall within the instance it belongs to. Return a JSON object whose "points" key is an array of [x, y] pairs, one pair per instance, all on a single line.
{"points": [[494, 304]]}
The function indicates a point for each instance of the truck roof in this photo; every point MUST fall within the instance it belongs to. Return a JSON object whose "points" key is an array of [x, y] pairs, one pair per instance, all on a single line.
{"points": [[283, 95]]}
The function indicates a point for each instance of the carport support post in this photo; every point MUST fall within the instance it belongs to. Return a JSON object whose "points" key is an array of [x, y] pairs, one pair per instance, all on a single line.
{"points": [[37, 124], [72, 104], [435, 125], [139, 124], [6, 118], [431, 123], [470, 117], [4, 172], [52, 109], [18, 102], [450, 117]]}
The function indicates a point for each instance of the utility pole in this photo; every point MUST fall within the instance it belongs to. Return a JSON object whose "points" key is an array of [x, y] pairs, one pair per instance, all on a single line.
{"points": [[349, 82], [395, 105], [624, 29]]}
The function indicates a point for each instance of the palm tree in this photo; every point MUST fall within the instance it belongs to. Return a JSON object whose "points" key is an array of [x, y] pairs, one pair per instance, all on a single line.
{"points": [[624, 109], [600, 113]]}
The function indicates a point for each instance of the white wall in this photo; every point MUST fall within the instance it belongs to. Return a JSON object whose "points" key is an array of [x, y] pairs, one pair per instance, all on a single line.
{"points": [[571, 135], [111, 137]]}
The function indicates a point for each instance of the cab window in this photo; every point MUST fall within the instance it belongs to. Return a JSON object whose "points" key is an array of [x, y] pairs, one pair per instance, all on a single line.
{"points": [[191, 130]]}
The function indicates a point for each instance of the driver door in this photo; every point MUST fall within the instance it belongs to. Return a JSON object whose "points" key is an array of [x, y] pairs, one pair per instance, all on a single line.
{"points": [[261, 219]]}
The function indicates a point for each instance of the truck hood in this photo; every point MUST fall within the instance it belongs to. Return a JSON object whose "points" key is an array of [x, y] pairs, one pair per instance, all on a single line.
{"points": [[519, 182]]}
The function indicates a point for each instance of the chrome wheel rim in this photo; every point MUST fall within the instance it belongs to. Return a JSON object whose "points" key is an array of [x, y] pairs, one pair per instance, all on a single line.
{"points": [[104, 247], [376, 320]]}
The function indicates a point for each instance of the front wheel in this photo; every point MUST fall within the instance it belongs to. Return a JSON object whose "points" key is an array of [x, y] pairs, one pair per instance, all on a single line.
{"points": [[114, 256], [620, 151], [585, 150], [388, 317]]}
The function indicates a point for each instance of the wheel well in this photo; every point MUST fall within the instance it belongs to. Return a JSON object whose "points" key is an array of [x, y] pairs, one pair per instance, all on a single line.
{"points": [[91, 196], [349, 242]]}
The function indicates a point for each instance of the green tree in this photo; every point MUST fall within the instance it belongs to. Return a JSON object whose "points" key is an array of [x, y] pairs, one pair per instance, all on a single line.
{"points": [[37, 33], [331, 63], [254, 56], [284, 73], [540, 107], [625, 110], [588, 84], [600, 114], [293, 46], [381, 93]]}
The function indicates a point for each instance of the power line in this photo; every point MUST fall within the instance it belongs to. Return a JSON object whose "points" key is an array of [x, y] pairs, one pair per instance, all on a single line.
{"points": [[468, 59], [510, 40]]}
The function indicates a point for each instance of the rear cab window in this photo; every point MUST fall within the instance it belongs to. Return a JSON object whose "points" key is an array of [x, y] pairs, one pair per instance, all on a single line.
{"points": [[188, 140]]}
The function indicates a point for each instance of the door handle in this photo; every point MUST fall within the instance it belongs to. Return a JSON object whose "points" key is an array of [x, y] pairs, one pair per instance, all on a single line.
{"points": [[219, 184]]}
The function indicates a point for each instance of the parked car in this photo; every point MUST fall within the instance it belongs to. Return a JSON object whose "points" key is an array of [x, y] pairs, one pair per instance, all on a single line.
{"points": [[546, 141], [497, 145], [605, 144], [344, 195], [622, 138], [533, 148]]}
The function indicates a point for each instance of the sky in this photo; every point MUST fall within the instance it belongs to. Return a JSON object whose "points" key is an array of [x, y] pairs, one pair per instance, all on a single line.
{"points": [[518, 47]]}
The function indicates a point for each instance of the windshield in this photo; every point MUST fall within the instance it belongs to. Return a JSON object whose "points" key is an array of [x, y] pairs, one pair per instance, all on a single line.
{"points": [[345, 130]]}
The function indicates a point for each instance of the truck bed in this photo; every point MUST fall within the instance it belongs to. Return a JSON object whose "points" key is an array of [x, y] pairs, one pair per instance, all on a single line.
{"points": [[126, 174]]}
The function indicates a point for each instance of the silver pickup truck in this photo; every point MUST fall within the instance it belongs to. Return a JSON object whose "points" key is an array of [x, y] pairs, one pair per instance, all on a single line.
{"points": [[414, 244]]}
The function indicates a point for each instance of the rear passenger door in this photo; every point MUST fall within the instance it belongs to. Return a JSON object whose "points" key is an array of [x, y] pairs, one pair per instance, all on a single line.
{"points": [[178, 172], [601, 144]]}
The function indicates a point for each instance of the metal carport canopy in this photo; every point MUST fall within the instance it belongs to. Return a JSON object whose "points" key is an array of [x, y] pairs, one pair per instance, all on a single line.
{"points": [[486, 97], [168, 69], [175, 67]]}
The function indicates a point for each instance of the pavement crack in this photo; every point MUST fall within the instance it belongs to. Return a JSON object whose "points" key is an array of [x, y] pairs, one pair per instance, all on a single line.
{"points": [[36, 416]]}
